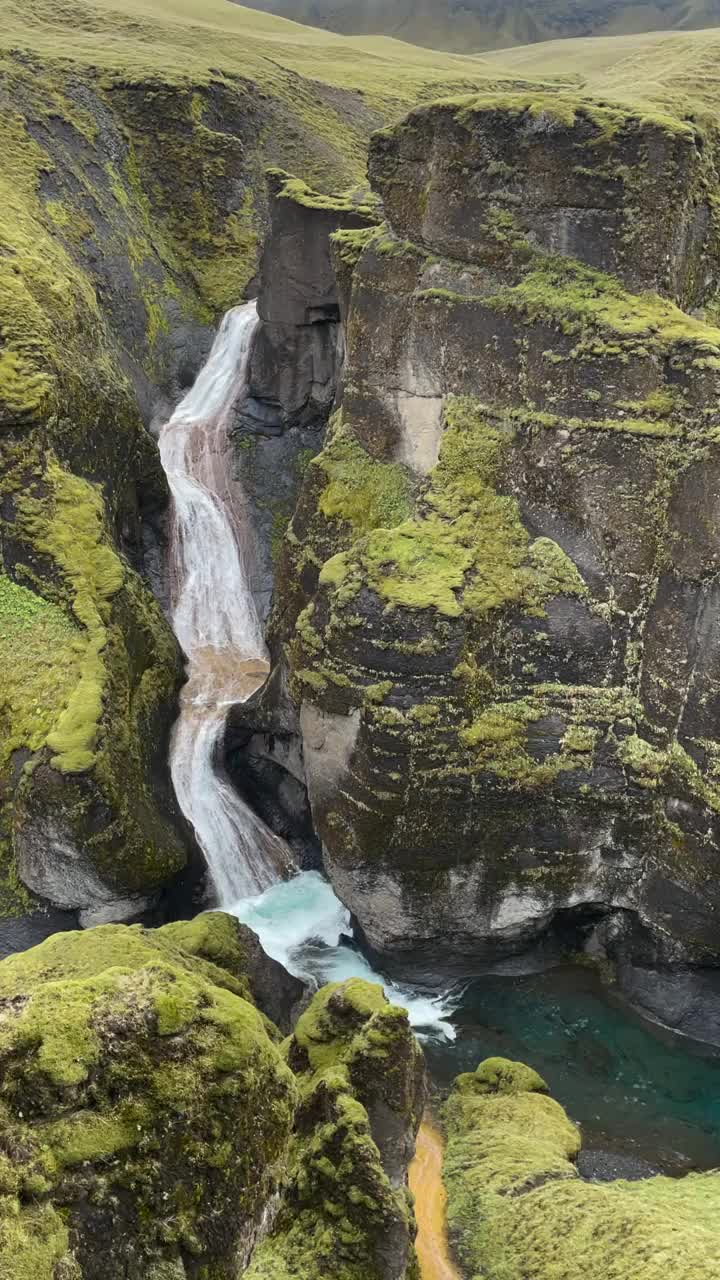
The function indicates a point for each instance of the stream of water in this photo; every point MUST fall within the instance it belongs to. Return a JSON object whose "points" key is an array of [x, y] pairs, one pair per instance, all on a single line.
{"points": [[214, 618], [628, 1085]]}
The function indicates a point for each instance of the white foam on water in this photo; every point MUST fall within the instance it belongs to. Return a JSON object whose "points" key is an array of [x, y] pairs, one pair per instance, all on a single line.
{"points": [[303, 925]]}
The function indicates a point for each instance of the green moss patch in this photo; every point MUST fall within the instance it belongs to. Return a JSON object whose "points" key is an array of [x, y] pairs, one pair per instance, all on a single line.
{"points": [[517, 1206], [595, 308], [362, 491], [466, 549], [40, 659], [70, 529], [567, 109]]}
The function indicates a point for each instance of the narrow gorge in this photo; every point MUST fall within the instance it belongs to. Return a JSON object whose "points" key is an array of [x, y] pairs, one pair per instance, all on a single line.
{"points": [[359, 660]]}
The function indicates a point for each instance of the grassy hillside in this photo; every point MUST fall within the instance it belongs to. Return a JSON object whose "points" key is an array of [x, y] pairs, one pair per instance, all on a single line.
{"points": [[344, 86], [478, 25], [676, 70], [191, 38]]}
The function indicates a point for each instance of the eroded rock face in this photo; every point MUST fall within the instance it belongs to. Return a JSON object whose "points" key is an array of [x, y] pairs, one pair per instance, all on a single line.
{"points": [[294, 364], [345, 1212], [497, 596], [295, 361], [622, 195]]}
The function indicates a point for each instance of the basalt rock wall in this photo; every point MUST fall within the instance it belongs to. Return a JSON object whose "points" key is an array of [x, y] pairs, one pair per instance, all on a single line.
{"points": [[499, 592], [280, 420]]}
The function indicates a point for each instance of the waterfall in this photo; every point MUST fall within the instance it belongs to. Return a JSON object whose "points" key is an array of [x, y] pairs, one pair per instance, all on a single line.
{"points": [[300, 922], [215, 619]]}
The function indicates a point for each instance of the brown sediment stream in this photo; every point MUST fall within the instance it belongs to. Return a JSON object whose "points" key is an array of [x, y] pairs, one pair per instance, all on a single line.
{"points": [[427, 1187]]}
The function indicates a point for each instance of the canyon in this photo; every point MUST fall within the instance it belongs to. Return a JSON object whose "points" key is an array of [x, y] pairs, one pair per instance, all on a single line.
{"points": [[358, 594]]}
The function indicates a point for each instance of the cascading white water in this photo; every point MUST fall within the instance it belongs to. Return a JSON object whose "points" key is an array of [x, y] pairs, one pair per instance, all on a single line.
{"points": [[215, 618], [305, 926], [300, 921]]}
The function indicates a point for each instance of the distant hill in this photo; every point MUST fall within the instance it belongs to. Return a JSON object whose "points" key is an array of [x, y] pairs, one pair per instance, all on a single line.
{"points": [[471, 26]]}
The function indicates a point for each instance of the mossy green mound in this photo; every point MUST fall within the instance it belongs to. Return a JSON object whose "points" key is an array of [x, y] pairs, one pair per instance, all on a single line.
{"points": [[517, 1206], [144, 1104], [466, 548], [346, 1214]]}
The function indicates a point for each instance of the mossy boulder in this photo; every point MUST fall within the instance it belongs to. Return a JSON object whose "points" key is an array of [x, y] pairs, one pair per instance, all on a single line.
{"points": [[144, 1106], [345, 1213], [518, 1207]]}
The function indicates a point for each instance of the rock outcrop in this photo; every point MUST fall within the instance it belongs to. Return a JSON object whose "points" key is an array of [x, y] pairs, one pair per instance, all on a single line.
{"points": [[145, 1106], [296, 357], [153, 1127], [279, 426], [517, 1205], [498, 593], [345, 1212]]}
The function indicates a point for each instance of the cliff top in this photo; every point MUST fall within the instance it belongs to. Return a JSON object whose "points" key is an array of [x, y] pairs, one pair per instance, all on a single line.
{"points": [[197, 40]]}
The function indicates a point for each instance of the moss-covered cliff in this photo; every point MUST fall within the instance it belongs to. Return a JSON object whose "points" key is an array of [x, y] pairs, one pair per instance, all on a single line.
{"points": [[144, 1108], [517, 1205], [152, 1126], [345, 1212], [497, 591]]}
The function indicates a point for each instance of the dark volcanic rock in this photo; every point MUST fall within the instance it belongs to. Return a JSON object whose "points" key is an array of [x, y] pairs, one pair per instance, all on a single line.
{"points": [[294, 363], [498, 595]]}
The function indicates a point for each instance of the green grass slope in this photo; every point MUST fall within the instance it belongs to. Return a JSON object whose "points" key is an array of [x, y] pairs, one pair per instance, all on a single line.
{"points": [[196, 38], [478, 25]]}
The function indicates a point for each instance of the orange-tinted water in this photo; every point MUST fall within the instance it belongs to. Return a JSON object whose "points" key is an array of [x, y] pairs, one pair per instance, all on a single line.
{"points": [[427, 1187]]}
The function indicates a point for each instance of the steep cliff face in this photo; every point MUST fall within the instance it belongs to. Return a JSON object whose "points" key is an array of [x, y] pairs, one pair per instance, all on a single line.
{"points": [[279, 426], [294, 366], [498, 593], [345, 1211], [517, 1205]]}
